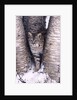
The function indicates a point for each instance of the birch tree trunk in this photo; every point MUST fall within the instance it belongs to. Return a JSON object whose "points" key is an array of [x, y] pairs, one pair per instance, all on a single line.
{"points": [[51, 56], [23, 61]]}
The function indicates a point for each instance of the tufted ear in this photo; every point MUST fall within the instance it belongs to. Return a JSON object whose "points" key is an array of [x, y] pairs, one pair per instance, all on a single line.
{"points": [[30, 34], [39, 34]]}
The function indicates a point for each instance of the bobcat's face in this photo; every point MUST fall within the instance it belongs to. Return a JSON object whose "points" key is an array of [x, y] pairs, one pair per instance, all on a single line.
{"points": [[36, 43]]}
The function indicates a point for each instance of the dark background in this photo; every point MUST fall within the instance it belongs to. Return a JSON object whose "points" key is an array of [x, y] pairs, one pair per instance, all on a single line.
{"points": [[74, 67]]}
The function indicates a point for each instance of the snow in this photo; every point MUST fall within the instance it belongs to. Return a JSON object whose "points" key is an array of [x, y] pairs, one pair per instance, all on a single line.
{"points": [[34, 77], [47, 21]]}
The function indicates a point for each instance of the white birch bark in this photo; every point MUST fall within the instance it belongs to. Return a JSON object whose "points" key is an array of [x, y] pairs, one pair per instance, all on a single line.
{"points": [[22, 53], [51, 56]]}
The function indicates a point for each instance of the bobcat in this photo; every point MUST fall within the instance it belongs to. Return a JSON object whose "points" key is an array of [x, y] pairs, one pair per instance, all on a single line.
{"points": [[35, 31], [36, 46]]}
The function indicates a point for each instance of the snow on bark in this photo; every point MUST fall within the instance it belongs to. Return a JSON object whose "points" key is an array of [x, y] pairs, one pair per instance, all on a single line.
{"points": [[51, 56]]}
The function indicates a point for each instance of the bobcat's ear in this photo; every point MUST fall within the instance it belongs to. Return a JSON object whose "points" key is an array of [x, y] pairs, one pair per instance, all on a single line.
{"points": [[39, 34], [29, 34]]}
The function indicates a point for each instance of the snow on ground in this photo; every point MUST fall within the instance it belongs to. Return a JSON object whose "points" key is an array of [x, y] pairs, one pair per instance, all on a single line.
{"points": [[34, 77]]}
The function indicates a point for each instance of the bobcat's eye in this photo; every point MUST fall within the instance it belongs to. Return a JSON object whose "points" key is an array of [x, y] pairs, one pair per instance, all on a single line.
{"points": [[37, 45], [30, 34]]}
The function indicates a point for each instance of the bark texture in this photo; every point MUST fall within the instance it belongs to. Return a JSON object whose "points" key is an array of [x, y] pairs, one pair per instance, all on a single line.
{"points": [[51, 56], [23, 61]]}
